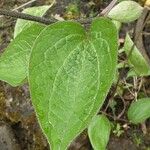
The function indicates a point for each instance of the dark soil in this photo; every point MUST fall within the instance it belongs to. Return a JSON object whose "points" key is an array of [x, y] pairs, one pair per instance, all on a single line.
{"points": [[19, 129]]}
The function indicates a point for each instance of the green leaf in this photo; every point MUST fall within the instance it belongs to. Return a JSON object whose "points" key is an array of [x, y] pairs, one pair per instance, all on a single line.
{"points": [[14, 61], [99, 132], [131, 73], [70, 73], [139, 111], [126, 11], [117, 24], [135, 58], [24, 24]]}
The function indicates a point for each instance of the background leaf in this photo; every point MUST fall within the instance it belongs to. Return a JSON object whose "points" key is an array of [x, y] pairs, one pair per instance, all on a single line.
{"points": [[24, 24], [126, 11], [117, 24], [69, 73], [99, 132], [14, 60], [139, 111], [140, 67]]}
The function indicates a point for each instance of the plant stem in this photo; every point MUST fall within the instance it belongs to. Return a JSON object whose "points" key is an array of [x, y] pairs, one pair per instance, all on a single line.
{"points": [[46, 21], [35, 18], [25, 5], [108, 8], [26, 16], [139, 29]]}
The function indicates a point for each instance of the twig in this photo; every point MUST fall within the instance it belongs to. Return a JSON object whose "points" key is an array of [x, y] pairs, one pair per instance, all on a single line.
{"points": [[46, 21], [131, 92], [35, 18], [124, 107], [139, 36], [140, 85], [145, 33], [108, 8], [22, 6], [115, 119], [135, 87], [26, 16], [25, 5]]}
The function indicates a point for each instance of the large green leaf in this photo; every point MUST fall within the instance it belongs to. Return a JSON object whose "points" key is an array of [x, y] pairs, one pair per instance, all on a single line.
{"points": [[70, 73], [99, 132], [126, 11], [14, 60], [24, 24], [139, 111], [135, 58]]}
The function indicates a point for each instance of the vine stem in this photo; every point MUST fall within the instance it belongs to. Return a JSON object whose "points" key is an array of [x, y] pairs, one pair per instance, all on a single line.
{"points": [[26, 16], [108, 8], [46, 21], [25, 5]]}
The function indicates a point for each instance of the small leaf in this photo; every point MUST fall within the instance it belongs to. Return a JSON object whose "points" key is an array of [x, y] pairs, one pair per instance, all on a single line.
{"points": [[117, 24], [118, 131], [126, 11], [139, 111], [99, 132], [14, 61], [69, 76], [135, 58], [24, 24], [131, 73]]}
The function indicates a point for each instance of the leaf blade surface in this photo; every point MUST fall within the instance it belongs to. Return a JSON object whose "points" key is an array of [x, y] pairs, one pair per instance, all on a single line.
{"points": [[24, 24], [14, 60], [99, 132], [69, 66], [139, 111], [126, 11], [136, 60]]}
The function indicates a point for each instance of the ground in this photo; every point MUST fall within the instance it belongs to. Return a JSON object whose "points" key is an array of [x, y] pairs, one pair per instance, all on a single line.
{"points": [[19, 129]]}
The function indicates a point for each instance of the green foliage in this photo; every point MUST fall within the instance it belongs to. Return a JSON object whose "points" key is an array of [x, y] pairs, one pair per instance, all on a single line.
{"points": [[139, 111], [72, 9], [136, 61], [137, 139], [24, 24], [70, 72], [69, 76], [118, 131], [117, 24], [126, 11], [14, 61], [99, 132], [112, 105]]}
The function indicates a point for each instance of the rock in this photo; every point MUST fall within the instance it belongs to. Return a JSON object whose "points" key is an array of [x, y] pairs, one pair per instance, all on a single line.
{"points": [[7, 139]]}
